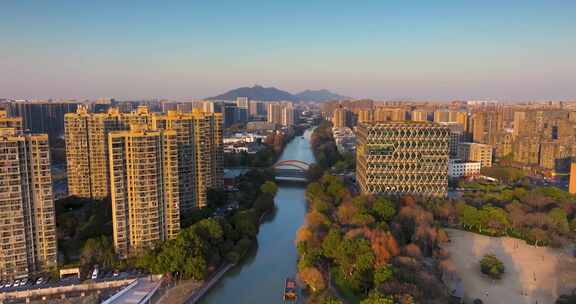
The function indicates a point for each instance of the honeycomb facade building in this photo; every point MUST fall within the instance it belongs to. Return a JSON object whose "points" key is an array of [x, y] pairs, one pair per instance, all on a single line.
{"points": [[403, 158], [28, 226]]}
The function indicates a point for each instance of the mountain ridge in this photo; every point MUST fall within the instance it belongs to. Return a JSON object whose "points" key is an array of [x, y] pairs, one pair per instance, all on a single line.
{"points": [[258, 92]]}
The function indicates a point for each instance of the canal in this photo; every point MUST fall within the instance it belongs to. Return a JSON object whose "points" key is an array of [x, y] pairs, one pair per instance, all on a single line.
{"points": [[260, 277]]}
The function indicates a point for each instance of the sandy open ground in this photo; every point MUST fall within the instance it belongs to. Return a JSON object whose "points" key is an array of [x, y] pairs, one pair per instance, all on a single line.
{"points": [[533, 274]]}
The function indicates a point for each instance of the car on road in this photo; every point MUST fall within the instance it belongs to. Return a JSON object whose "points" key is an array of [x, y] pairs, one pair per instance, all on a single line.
{"points": [[39, 281], [95, 273]]}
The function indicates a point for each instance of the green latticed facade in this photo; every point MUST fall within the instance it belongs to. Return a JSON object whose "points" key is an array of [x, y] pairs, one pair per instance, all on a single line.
{"points": [[403, 158]]}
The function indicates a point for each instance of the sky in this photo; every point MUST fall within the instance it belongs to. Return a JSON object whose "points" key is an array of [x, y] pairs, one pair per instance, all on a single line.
{"points": [[433, 50]]}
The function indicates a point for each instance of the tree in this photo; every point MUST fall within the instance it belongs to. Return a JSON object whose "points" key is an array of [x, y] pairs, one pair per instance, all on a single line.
{"points": [[384, 208], [383, 274], [331, 243], [313, 278], [216, 197], [377, 298], [246, 223], [269, 187], [560, 220], [98, 250], [492, 266]]}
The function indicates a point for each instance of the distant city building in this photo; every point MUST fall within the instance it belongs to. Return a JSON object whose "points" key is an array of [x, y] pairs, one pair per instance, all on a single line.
{"points": [[260, 126], [486, 126], [274, 112], [420, 115], [384, 114], [365, 116], [476, 152], [42, 116], [402, 158], [257, 109], [544, 137], [243, 102], [458, 168], [341, 118], [288, 116], [28, 226], [345, 139], [448, 116], [457, 135], [10, 122], [144, 189]]}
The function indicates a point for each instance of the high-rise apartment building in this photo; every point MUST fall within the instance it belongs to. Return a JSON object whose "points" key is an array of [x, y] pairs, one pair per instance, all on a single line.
{"points": [[384, 114], [486, 126], [340, 118], [365, 116], [288, 115], [207, 154], [402, 158], [200, 151], [544, 137], [420, 115], [457, 135], [450, 116], [28, 226], [256, 109], [274, 111], [476, 152], [10, 122], [243, 102], [144, 187], [86, 136]]}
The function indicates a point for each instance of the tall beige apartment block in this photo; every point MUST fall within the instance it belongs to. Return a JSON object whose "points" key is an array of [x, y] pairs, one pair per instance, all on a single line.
{"points": [[420, 115], [199, 142], [27, 216], [144, 187], [476, 152], [340, 118], [486, 126], [200, 153], [86, 136]]}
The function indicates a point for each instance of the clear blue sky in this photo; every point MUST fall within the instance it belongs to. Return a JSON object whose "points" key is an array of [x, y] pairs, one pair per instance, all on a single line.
{"points": [[380, 49]]}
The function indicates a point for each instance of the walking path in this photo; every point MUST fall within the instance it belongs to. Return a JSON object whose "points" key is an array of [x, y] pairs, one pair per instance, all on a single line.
{"points": [[191, 291]]}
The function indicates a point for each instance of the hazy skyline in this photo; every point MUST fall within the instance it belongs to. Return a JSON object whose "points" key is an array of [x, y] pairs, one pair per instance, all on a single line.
{"points": [[512, 50]]}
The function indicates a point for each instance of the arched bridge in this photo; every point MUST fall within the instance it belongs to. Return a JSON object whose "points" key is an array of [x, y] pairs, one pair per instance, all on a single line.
{"points": [[294, 169]]}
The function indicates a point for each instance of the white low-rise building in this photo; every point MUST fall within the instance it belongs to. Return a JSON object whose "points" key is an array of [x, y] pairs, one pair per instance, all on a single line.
{"points": [[459, 168]]}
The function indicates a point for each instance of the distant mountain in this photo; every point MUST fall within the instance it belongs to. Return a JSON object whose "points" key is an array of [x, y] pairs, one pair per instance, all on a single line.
{"points": [[269, 94], [319, 95], [256, 93]]}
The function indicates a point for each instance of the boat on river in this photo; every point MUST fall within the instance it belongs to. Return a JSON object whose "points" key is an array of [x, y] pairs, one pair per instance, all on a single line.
{"points": [[290, 290]]}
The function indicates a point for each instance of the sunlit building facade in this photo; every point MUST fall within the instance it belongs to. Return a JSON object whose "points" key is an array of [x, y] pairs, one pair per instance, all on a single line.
{"points": [[28, 226], [403, 158]]}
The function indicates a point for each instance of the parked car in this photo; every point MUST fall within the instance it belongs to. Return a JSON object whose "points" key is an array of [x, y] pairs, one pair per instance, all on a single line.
{"points": [[39, 281], [95, 273], [115, 273], [8, 284]]}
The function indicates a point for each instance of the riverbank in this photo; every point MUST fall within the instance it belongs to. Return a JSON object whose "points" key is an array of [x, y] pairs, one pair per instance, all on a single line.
{"points": [[259, 278]]}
